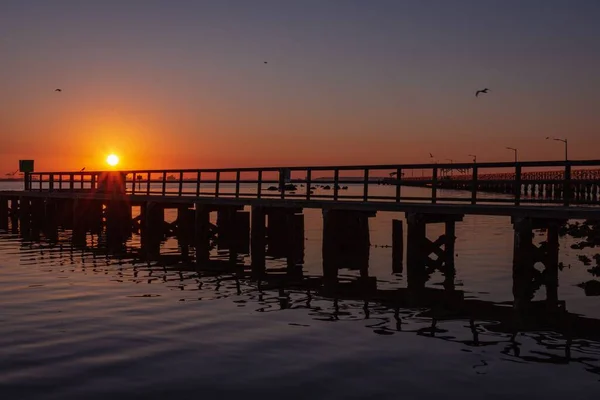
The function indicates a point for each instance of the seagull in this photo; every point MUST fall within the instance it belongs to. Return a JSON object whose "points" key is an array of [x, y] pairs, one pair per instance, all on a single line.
{"points": [[58, 90], [82, 169], [430, 155], [481, 91], [265, 62]]}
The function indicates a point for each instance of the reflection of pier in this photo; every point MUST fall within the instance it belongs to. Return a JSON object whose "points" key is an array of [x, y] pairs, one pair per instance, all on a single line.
{"points": [[278, 232], [400, 307]]}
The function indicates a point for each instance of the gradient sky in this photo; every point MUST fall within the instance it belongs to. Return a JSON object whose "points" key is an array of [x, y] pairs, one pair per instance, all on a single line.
{"points": [[174, 83]]}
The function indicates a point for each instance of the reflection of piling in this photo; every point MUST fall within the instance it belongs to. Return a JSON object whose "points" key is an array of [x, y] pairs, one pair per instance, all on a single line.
{"points": [[526, 279], [202, 237], [551, 272], [420, 248], [185, 229], [258, 240], [285, 235], [397, 246]]}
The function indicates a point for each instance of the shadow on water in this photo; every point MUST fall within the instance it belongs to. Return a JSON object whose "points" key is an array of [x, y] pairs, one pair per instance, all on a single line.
{"points": [[543, 332]]}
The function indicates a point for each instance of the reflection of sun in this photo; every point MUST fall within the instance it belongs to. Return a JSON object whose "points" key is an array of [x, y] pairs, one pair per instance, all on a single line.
{"points": [[112, 160]]}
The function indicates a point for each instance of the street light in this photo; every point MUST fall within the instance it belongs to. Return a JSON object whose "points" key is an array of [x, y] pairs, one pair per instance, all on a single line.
{"points": [[516, 152], [474, 158], [566, 145]]}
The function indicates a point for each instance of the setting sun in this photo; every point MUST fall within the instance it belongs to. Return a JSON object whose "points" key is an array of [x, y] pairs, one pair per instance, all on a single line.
{"points": [[112, 160]]}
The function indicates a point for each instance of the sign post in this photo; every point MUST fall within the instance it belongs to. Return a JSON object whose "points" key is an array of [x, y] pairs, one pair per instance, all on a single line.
{"points": [[26, 167]]}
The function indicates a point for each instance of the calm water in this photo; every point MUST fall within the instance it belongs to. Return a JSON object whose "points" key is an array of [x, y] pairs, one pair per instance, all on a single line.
{"points": [[77, 323]]}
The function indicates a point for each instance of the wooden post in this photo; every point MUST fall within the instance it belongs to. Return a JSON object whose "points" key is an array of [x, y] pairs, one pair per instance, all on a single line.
{"points": [[180, 189], [567, 192], [4, 213], [242, 232], [474, 186], [198, 180], [257, 239], [415, 256], [366, 185], [330, 270], [308, 183], [202, 234], [336, 183], [118, 221], [398, 184], [24, 214], [397, 246], [259, 185], [434, 183], [79, 222], [522, 261], [295, 239], [152, 233]]}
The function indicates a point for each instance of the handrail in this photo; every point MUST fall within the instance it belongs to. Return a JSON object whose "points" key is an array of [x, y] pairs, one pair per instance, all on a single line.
{"points": [[564, 185]]}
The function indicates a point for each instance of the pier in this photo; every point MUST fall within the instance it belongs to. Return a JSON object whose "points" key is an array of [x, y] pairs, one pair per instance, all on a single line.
{"points": [[259, 211]]}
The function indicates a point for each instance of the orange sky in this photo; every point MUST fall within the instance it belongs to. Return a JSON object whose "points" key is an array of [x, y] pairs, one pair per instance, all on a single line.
{"points": [[186, 87]]}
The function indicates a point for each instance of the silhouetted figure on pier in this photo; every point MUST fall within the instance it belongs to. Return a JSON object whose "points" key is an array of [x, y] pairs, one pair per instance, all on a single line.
{"points": [[481, 91]]}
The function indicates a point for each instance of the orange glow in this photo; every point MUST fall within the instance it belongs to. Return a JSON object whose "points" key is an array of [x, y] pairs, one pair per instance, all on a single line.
{"points": [[112, 160]]}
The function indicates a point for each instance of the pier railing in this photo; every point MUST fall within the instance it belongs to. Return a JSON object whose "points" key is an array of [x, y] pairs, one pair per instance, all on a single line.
{"points": [[549, 182]]}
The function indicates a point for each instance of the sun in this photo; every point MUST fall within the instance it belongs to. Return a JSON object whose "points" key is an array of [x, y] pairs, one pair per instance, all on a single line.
{"points": [[112, 160]]}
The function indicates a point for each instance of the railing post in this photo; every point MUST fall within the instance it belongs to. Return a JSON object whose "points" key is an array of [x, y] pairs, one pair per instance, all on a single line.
{"points": [[93, 182], [217, 183], [336, 183], [198, 178], [282, 182], [434, 185], [567, 185], [27, 181], [366, 185], [474, 186], [308, 183], [134, 179], [148, 183], [60, 182], [51, 183], [164, 183], [237, 183], [398, 184], [517, 189], [259, 185], [181, 183], [71, 182]]}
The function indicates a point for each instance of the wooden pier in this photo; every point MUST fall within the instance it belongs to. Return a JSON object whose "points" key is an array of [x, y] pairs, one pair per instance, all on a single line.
{"points": [[260, 211]]}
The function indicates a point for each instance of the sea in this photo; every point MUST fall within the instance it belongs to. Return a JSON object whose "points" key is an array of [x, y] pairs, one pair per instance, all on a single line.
{"points": [[79, 322]]}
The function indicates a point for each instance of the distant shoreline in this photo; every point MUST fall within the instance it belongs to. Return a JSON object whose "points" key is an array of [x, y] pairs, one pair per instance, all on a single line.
{"points": [[11, 180]]}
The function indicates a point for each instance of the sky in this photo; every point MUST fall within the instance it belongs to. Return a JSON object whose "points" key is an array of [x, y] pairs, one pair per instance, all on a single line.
{"points": [[184, 84]]}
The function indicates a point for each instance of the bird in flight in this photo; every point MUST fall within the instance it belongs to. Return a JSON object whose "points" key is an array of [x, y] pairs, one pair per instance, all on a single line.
{"points": [[481, 91], [430, 155], [265, 62], [82, 169], [58, 90]]}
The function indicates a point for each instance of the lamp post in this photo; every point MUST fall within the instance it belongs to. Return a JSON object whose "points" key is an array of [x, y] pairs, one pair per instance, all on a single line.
{"points": [[516, 153], [474, 158], [566, 145]]}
